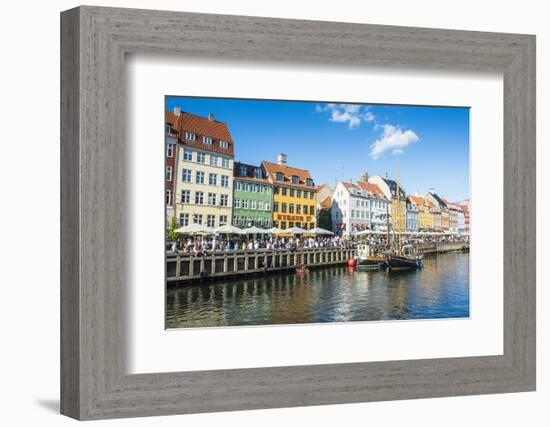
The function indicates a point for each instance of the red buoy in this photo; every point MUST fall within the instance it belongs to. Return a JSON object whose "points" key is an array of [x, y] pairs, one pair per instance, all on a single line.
{"points": [[351, 262]]}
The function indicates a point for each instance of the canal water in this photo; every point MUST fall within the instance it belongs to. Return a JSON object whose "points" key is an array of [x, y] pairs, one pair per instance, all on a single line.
{"points": [[335, 294]]}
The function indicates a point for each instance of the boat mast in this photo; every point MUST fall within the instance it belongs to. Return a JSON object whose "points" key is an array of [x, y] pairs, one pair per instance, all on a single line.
{"points": [[388, 222], [398, 194]]}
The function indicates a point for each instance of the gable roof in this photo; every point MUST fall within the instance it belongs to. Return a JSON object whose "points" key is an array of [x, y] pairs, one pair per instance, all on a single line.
{"points": [[393, 188], [201, 126], [288, 172], [326, 202], [371, 188]]}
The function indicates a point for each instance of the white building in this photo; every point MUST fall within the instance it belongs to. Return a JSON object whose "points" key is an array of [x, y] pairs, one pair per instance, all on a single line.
{"points": [[357, 207]]}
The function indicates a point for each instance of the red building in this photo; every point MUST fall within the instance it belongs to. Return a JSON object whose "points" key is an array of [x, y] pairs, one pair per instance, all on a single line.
{"points": [[170, 162]]}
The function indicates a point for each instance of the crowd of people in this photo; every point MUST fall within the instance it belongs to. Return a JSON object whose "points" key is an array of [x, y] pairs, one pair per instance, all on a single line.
{"points": [[202, 245]]}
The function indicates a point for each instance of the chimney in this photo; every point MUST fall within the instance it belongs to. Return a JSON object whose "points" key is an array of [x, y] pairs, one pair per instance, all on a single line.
{"points": [[281, 159], [211, 117], [177, 111]]}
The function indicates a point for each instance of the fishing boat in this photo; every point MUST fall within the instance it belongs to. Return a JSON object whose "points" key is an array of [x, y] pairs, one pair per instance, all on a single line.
{"points": [[366, 258], [404, 260]]}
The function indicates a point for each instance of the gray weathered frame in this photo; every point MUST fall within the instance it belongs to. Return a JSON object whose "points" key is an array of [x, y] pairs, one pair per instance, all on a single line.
{"points": [[94, 41]]}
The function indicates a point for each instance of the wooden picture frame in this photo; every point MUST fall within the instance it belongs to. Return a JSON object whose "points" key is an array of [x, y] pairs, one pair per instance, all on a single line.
{"points": [[94, 382]]}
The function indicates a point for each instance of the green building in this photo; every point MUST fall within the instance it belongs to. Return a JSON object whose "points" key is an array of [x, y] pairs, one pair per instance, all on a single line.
{"points": [[252, 197]]}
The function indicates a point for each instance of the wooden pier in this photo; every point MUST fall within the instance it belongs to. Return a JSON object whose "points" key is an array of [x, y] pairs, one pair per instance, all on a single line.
{"points": [[188, 267], [182, 267]]}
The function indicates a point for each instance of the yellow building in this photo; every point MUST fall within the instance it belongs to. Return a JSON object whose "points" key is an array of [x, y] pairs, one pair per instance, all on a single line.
{"points": [[294, 202], [398, 213], [425, 217]]}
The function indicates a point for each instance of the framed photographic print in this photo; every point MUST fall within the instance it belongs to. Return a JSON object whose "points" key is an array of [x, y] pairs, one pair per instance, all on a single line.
{"points": [[261, 213]]}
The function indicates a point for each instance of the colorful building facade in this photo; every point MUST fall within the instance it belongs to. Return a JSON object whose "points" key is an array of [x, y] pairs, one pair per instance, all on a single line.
{"points": [[252, 197], [204, 170], [294, 201], [396, 194]]}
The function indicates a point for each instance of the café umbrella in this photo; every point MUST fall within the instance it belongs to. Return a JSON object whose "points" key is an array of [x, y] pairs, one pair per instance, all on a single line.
{"points": [[296, 230], [194, 229], [229, 229], [321, 231], [255, 230]]}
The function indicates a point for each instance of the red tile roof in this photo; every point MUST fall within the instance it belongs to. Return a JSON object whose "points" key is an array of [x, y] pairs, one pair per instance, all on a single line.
{"points": [[288, 172], [201, 126], [326, 202], [371, 188]]}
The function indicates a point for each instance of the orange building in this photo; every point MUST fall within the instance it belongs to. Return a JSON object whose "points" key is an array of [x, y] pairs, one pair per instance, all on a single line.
{"points": [[294, 201]]}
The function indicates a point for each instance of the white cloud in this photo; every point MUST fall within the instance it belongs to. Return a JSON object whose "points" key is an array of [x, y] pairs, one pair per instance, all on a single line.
{"points": [[352, 114], [393, 138]]}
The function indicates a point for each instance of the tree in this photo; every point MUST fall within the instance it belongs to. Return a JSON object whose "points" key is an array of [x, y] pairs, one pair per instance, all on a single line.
{"points": [[172, 234], [325, 219]]}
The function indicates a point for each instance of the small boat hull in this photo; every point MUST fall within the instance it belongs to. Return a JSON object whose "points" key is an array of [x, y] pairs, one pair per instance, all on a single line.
{"points": [[403, 263], [369, 263]]}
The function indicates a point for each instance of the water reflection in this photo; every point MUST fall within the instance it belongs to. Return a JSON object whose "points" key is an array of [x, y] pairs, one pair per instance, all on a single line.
{"points": [[439, 290]]}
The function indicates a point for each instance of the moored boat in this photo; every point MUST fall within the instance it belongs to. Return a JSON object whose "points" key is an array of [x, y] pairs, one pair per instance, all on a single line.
{"points": [[367, 259], [404, 260]]}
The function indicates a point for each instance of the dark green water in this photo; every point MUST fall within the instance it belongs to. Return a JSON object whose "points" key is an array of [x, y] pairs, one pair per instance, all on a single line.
{"points": [[439, 290]]}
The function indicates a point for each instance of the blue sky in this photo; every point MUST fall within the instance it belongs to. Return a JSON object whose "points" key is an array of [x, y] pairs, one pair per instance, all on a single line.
{"points": [[342, 141]]}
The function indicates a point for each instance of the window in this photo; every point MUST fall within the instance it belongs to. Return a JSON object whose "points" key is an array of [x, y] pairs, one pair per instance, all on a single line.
{"points": [[305, 209], [224, 198], [207, 140], [225, 181], [352, 214], [237, 185], [292, 192], [168, 197], [291, 224], [283, 225], [212, 199], [245, 186], [212, 179], [224, 144], [213, 160], [199, 177], [257, 173], [201, 157], [298, 193], [291, 208], [267, 206], [275, 190], [245, 204], [298, 209], [309, 182], [279, 176], [253, 188], [187, 155], [237, 203], [243, 171], [283, 191], [283, 207], [260, 205], [169, 150], [190, 136], [223, 220], [184, 219], [210, 220], [312, 210], [185, 196], [253, 204], [275, 207], [197, 219], [225, 162], [295, 179], [199, 197], [168, 173], [311, 194], [186, 175]]}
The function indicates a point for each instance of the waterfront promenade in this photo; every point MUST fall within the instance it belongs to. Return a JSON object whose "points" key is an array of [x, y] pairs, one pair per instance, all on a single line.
{"points": [[184, 268]]}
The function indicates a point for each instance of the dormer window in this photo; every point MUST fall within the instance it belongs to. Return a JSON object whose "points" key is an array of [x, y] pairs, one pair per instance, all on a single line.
{"points": [[242, 171], [190, 136], [207, 140], [295, 179], [279, 176], [224, 144], [257, 173], [309, 182]]}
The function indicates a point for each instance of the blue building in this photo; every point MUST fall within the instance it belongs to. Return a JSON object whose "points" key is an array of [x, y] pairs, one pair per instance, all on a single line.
{"points": [[412, 216]]}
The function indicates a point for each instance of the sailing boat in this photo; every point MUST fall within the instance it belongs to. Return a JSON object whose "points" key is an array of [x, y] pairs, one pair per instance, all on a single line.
{"points": [[402, 257]]}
